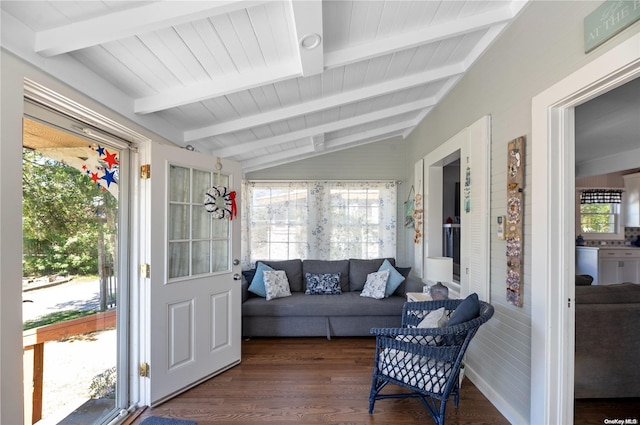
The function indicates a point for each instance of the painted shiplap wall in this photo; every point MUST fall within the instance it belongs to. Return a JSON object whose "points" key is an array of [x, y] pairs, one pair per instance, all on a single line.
{"points": [[541, 47], [384, 160]]}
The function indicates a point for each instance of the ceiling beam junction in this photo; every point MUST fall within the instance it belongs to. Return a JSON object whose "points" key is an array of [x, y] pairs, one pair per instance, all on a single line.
{"points": [[367, 118], [308, 35]]}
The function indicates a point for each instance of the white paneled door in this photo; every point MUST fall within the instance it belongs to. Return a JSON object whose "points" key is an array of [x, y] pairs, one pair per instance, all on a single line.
{"points": [[194, 293]]}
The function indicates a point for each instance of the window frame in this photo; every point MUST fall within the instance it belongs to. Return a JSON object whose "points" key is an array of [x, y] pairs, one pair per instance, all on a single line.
{"points": [[619, 221], [319, 236]]}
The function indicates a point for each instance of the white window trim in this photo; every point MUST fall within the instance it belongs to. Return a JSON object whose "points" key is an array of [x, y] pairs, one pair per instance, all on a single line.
{"points": [[617, 236]]}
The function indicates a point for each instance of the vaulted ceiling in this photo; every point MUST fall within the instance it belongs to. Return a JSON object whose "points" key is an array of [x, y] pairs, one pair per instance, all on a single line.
{"points": [[260, 82]]}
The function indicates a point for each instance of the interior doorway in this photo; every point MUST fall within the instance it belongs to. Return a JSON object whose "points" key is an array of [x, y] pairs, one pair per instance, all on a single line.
{"points": [[74, 210], [451, 214], [553, 221]]}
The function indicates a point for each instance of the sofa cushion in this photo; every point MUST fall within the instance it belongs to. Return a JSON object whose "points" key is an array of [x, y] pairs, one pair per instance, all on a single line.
{"points": [[276, 284], [395, 278], [293, 269], [359, 269], [619, 293], [328, 266], [348, 304], [257, 284], [323, 284], [376, 285]]}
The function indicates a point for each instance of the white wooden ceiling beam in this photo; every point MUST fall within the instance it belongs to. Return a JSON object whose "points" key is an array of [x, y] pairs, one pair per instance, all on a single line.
{"points": [[334, 145], [279, 158], [370, 117], [428, 34], [317, 142], [483, 44], [327, 102], [308, 33], [129, 22], [215, 88]]}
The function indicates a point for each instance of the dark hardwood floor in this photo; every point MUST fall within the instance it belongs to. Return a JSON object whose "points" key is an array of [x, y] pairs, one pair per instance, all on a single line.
{"points": [[309, 381], [316, 381], [596, 411]]}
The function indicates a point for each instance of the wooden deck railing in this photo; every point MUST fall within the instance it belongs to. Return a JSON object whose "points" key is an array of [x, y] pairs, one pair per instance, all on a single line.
{"points": [[33, 344]]}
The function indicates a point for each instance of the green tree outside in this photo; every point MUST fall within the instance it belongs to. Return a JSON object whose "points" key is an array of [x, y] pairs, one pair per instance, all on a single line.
{"points": [[63, 213]]}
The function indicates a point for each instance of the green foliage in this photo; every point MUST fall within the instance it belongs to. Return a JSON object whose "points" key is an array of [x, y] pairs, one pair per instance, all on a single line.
{"points": [[64, 213], [55, 317], [596, 218], [103, 385]]}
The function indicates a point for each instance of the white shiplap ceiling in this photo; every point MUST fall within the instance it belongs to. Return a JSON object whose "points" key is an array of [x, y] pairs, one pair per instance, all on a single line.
{"points": [[234, 78]]}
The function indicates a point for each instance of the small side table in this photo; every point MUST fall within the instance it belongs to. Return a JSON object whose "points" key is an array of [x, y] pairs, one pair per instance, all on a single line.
{"points": [[418, 296]]}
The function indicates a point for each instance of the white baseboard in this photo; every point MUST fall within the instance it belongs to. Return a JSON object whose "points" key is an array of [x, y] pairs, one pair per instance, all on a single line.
{"points": [[503, 406]]}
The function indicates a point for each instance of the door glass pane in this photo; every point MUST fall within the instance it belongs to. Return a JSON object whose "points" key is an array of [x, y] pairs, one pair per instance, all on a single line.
{"points": [[201, 182], [220, 256], [178, 259], [201, 257], [201, 223], [220, 229], [178, 222], [179, 184]]}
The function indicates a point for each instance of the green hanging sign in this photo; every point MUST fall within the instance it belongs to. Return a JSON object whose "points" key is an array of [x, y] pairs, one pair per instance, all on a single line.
{"points": [[608, 20]]}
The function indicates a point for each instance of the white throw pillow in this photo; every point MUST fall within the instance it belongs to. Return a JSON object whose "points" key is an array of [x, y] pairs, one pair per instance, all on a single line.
{"points": [[375, 285], [276, 284], [432, 320]]}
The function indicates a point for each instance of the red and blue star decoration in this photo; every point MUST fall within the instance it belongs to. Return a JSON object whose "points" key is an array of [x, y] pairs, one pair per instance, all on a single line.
{"points": [[109, 171]]}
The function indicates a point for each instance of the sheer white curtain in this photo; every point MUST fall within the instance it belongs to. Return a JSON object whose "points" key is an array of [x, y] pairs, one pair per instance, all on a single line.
{"points": [[323, 220]]}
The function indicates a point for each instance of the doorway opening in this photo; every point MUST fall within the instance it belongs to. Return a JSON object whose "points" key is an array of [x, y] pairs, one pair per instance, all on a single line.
{"points": [[73, 214], [606, 232], [553, 221], [451, 214]]}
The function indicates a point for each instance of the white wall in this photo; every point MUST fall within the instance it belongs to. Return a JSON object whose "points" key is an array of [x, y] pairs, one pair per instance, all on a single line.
{"points": [[542, 46]]}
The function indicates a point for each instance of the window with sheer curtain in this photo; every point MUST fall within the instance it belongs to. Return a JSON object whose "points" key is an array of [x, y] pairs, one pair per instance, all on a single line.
{"points": [[321, 220]]}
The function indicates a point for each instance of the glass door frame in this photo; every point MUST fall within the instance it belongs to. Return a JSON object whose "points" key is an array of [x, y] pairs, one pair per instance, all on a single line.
{"points": [[56, 115]]}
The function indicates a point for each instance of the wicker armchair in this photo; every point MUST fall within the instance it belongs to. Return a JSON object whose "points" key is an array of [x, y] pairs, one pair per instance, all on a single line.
{"points": [[425, 360]]}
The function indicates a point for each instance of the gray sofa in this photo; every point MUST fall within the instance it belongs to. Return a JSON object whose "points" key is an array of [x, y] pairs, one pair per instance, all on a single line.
{"points": [[607, 352], [347, 314]]}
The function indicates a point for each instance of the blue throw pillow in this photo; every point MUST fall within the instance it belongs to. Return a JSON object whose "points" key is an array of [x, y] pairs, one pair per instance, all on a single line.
{"points": [[395, 278], [257, 284], [466, 310]]}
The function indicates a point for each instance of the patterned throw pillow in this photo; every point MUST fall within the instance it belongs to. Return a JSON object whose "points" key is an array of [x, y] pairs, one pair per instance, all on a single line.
{"points": [[323, 284], [375, 285], [276, 284]]}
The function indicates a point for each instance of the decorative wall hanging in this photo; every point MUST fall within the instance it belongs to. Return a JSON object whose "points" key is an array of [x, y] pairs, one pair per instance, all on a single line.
{"points": [[515, 220], [467, 188], [409, 208], [107, 168], [219, 200], [418, 218]]}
